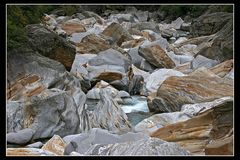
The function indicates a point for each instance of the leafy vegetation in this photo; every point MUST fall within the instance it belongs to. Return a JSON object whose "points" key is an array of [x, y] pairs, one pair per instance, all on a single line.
{"points": [[18, 16]]}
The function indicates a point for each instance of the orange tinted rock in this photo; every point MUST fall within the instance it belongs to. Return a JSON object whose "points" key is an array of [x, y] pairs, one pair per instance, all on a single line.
{"points": [[194, 88], [132, 43], [109, 76], [55, 145], [92, 44], [27, 152], [71, 28], [220, 147], [223, 68], [194, 134], [118, 33], [157, 56]]}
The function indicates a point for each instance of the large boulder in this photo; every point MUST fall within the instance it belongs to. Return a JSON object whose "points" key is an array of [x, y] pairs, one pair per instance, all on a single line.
{"points": [[92, 44], [110, 57], [73, 26], [219, 45], [188, 111], [136, 58], [199, 86], [203, 134], [223, 68], [109, 115], [82, 142], [150, 146], [50, 45], [155, 55], [20, 137], [176, 24], [117, 33], [121, 17], [55, 145], [154, 81], [209, 23], [142, 16], [146, 25], [201, 61], [48, 113]]}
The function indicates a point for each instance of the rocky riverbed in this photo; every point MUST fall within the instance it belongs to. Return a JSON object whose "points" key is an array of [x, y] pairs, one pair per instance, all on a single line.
{"points": [[122, 83]]}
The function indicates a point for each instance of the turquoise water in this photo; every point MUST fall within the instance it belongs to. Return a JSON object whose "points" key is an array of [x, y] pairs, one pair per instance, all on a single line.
{"points": [[140, 104]]}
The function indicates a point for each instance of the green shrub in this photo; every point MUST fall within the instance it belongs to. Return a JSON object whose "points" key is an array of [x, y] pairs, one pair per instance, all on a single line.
{"points": [[18, 16]]}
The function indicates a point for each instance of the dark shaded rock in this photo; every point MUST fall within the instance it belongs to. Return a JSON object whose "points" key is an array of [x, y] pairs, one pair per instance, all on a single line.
{"points": [[50, 45], [136, 84], [209, 23]]}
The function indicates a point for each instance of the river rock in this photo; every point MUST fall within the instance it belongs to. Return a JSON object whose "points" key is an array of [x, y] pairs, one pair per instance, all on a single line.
{"points": [[122, 17], [110, 57], [142, 16], [124, 94], [230, 74], [117, 33], [28, 152], [180, 59], [204, 85], [146, 25], [188, 111], [147, 66], [185, 26], [92, 44], [79, 62], [223, 68], [132, 43], [55, 145], [209, 23], [109, 115], [88, 22], [20, 137], [94, 93], [219, 46], [36, 114], [82, 142], [151, 124], [156, 56], [35, 145], [150, 146], [73, 26], [201, 61], [195, 134], [137, 71], [176, 24], [89, 14], [136, 85], [136, 58], [50, 45], [158, 77], [167, 31]]}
